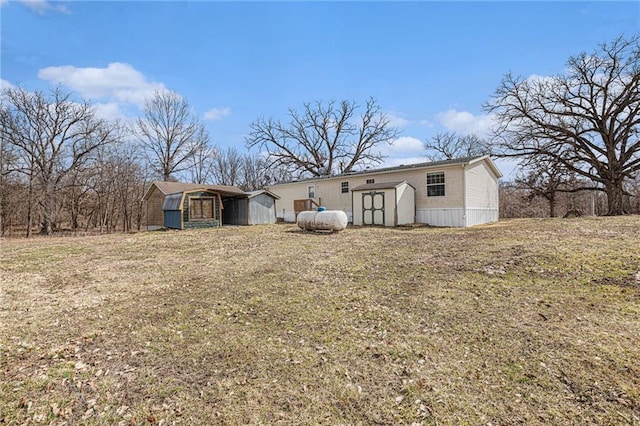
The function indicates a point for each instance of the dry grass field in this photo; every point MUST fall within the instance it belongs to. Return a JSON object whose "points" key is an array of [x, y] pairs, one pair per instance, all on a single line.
{"points": [[519, 322]]}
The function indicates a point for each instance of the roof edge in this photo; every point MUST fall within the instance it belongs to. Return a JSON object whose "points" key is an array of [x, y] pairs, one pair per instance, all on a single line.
{"points": [[429, 164], [489, 161]]}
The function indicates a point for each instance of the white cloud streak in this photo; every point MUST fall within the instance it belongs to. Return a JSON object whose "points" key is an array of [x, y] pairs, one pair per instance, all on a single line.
{"points": [[118, 82], [403, 150], [42, 7], [4, 84], [465, 122], [110, 111], [405, 145], [217, 114], [396, 120]]}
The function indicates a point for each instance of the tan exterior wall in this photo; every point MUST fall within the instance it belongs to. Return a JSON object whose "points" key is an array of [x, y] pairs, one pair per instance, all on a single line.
{"points": [[328, 191], [482, 187], [448, 210], [155, 215], [405, 200], [481, 195]]}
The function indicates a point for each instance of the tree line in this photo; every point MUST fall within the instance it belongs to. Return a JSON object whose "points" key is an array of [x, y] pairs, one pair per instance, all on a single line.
{"points": [[62, 167], [576, 136]]}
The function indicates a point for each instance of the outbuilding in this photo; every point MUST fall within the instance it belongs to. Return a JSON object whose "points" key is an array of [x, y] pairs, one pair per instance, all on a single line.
{"points": [[251, 208], [384, 203], [179, 205]]}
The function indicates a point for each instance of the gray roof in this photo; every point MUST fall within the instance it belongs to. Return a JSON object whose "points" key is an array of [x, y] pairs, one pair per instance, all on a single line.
{"points": [[379, 185], [251, 194]]}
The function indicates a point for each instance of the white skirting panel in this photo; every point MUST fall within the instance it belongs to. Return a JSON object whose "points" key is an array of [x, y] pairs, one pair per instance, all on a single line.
{"points": [[441, 217], [478, 216]]}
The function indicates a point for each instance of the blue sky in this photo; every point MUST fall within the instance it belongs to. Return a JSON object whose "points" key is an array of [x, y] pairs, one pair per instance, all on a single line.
{"points": [[430, 65]]}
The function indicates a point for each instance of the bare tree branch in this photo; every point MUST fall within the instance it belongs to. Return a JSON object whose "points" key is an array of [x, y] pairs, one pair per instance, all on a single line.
{"points": [[450, 145], [56, 134], [170, 133], [586, 119], [324, 138]]}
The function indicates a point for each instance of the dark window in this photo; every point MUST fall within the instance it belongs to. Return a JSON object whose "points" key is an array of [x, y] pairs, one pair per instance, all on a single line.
{"points": [[312, 191], [371, 181], [201, 208], [435, 184], [345, 187]]}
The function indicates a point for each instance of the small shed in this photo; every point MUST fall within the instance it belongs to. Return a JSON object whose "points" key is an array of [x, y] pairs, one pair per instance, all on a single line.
{"points": [[179, 205], [252, 208], [384, 203], [192, 209]]}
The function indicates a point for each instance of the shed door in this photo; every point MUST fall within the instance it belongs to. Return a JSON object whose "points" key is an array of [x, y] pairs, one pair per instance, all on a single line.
{"points": [[373, 208]]}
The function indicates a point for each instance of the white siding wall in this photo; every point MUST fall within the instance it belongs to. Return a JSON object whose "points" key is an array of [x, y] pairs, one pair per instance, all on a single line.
{"points": [[479, 216], [481, 194], [389, 207], [441, 217], [405, 196], [356, 215]]}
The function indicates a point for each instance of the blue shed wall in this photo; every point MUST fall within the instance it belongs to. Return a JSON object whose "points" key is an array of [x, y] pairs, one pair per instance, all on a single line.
{"points": [[172, 219]]}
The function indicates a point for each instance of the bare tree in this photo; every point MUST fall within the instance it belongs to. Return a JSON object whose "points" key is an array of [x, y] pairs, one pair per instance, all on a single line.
{"points": [[227, 167], [57, 133], [254, 173], [200, 165], [545, 179], [587, 119], [170, 133], [324, 138], [450, 145], [7, 166]]}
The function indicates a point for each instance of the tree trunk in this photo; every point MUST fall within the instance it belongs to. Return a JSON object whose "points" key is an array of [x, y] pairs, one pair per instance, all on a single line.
{"points": [[48, 209], [615, 197], [552, 204], [30, 205]]}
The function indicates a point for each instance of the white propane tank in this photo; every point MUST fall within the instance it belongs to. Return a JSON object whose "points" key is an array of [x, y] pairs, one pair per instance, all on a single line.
{"points": [[324, 220]]}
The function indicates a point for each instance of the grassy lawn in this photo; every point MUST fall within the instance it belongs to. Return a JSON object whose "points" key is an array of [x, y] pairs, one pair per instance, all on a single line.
{"points": [[523, 321]]}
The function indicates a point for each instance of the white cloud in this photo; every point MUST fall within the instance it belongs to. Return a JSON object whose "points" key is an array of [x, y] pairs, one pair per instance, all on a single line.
{"points": [[405, 145], [465, 122], [425, 123], [118, 82], [4, 84], [41, 7], [403, 150], [535, 78], [217, 114], [110, 111], [396, 120]]}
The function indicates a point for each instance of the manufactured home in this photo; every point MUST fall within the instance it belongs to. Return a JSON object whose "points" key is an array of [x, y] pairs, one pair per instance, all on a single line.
{"points": [[458, 193]]}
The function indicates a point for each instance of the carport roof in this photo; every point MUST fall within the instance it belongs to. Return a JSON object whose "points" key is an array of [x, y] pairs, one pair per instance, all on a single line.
{"points": [[178, 187]]}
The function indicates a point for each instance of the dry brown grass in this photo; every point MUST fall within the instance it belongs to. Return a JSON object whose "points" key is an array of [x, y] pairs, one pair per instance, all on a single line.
{"points": [[520, 322]]}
